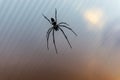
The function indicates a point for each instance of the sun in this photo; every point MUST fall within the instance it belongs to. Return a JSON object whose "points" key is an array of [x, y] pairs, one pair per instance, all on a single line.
{"points": [[94, 18]]}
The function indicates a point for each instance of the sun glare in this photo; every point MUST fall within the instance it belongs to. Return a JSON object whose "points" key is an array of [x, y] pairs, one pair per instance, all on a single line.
{"points": [[94, 18]]}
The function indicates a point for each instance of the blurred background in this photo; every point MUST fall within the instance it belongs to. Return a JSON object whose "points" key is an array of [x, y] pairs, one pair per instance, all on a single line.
{"points": [[95, 54]]}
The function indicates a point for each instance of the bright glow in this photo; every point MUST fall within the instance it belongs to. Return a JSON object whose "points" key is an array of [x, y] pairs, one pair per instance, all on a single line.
{"points": [[94, 18]]}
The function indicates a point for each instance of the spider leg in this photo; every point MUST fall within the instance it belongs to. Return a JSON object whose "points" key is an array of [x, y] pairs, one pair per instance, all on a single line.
{"points": [[68, 28], [66, 37], [48, 34], [56, 14], [54, 41], [46, 18], [63, 23]]}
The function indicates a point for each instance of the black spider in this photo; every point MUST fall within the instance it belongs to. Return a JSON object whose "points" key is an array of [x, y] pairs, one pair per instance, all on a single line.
{"points": [[56, 27]]}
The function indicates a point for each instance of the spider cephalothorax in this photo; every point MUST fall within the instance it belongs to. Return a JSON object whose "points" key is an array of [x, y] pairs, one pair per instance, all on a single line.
{"points": [[52, 20], [55, 27]]}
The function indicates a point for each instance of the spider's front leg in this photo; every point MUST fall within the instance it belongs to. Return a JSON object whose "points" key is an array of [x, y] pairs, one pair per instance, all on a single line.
{"points": [[46, 18], [68, 28], [63, 23], [56, 15]]}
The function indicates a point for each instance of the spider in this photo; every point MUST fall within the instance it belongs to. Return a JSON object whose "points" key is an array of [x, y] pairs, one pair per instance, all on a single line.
{"points": [[56, 27]]}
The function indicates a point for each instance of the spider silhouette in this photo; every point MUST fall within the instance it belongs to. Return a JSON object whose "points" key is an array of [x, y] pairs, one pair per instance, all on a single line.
{"points": [[56, 27]]}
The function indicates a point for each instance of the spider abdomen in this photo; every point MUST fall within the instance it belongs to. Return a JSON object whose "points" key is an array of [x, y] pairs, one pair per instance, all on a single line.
{"points": [[54, 23], [56, 28]]}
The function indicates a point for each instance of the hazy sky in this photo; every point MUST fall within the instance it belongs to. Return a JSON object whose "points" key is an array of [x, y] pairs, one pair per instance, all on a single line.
{"points": [[23, 36]]}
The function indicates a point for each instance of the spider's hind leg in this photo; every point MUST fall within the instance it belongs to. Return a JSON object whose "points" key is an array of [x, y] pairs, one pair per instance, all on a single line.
{"points": [[54, 41], [47, 36], [66, 37]]}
